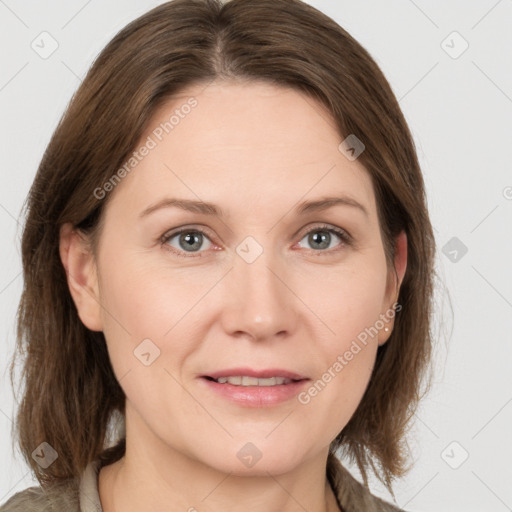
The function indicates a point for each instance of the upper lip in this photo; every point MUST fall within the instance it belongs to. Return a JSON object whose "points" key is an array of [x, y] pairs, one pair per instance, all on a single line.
{"points": [[259, 374]]}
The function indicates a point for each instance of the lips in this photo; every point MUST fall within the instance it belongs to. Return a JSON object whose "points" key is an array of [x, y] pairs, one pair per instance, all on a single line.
{"points": [[247, 387]]}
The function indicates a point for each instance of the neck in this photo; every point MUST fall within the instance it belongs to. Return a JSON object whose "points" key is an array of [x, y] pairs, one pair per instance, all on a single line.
{"points": [[151, 477], [123, 489]]}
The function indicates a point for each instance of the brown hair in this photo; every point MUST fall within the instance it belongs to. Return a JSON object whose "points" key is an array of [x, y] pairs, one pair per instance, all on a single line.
{"points": [[70, 391]]}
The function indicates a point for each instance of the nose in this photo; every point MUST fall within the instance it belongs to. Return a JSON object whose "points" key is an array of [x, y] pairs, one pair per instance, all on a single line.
{"points": [[259, 300]]}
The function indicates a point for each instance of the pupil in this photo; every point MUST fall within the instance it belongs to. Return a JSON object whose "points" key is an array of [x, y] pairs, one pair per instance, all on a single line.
{"points": [[191, 240]]}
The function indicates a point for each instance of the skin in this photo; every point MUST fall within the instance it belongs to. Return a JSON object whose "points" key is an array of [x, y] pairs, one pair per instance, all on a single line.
{"points": [[255, 150]]}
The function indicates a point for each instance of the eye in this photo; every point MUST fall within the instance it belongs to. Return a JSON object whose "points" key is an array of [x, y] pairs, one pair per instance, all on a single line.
{"points": [[321, 237], [186, 240]]}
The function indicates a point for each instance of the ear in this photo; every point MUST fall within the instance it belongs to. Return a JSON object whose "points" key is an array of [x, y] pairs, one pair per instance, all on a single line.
{"points": [[81, 273], [395, 278]]}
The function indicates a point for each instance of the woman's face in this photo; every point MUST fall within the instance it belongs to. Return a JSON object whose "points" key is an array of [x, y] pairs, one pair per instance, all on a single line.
{"points": [[259, 280]]}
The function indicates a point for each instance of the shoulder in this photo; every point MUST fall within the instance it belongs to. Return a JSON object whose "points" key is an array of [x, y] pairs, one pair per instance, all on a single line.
{"points": [[62, 497], [352, 495], [71, 495]]}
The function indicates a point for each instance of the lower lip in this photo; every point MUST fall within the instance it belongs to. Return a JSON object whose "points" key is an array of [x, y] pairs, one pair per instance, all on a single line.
{"points": [[256, 396]]}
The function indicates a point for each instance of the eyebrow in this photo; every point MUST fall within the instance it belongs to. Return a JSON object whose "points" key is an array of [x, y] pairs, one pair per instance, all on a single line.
{"points": [[211, 209], [185, 204], [328, 202]]}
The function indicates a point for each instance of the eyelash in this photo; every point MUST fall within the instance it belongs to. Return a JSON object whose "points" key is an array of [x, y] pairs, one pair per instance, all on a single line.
{"points": [[341, 233]]}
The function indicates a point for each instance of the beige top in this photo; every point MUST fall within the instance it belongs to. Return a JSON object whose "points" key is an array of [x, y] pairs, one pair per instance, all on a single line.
{"points": [[81, 495]]}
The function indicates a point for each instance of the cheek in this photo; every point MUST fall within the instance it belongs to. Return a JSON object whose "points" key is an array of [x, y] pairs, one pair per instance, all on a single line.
{"points": [[350, 300], [347, 364], [135, 312], [351, 310], [138, 298], [149, 309]]}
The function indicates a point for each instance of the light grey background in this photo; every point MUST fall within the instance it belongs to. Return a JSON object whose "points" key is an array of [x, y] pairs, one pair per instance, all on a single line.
{"points": [[459, 107]]}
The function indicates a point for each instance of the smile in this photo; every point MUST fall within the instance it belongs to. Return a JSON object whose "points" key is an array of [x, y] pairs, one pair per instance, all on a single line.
{"points": [[244, 380]]}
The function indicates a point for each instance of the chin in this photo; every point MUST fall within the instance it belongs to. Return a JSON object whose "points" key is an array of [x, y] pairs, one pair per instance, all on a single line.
{"points": [[255, 459]]}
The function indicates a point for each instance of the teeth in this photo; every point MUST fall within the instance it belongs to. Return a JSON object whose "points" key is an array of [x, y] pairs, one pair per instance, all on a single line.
{"points": [[253, 381]]}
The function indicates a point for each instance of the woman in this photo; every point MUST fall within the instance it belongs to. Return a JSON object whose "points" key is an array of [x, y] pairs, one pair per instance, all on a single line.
{"points": [[227, 248]]}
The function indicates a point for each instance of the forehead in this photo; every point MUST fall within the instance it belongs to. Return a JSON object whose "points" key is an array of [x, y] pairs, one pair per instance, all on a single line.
{"points": [[243, 144]]}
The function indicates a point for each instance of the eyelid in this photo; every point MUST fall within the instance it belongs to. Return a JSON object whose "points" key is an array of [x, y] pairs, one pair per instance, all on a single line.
{"points": [[341, 232], [186, 227]]}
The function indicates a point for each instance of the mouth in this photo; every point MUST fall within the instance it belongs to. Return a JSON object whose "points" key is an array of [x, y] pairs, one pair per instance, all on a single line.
{"points": [[248, 377], [246, 387], [246, 381]]}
